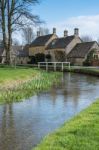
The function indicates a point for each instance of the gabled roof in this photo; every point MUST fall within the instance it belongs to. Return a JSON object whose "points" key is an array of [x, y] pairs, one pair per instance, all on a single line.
{"points": [[81, 49], [60, 42], [41, 40]]}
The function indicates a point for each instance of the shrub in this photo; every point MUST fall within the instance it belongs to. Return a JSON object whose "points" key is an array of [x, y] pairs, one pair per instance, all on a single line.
{"points": [[40, 57]]}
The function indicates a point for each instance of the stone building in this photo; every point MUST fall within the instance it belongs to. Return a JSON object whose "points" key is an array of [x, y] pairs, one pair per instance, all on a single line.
{"points": [[18, 54], [59, 48], [23, 55], [79, 54], [41, 42], [67, 48]]}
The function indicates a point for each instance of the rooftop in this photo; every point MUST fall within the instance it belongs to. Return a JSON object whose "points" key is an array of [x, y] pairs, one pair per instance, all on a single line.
{"points": [[41, 40], [81, 49], [60, 42]]}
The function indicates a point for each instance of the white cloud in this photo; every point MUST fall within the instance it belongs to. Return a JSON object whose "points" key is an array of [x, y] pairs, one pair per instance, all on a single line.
{"points": [[88, 25]]}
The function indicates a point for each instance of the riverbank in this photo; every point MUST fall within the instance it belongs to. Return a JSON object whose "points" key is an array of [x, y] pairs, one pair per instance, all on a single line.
{"points": [[82, 70], [22, 83], [80, 133]]}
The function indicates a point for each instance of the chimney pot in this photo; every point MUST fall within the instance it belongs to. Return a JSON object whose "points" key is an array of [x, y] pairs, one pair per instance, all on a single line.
{"points": [[65, 33], [38, 33], [76, 32], [54, 30]]}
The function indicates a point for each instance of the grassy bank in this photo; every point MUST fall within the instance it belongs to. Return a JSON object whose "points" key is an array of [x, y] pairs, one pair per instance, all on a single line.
{"points": [[18, 84], [80, 133], [88, 71]]}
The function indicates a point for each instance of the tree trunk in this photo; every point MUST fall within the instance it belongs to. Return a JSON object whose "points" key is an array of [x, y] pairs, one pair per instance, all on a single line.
{"points": [[8, 61], [3, 25]]}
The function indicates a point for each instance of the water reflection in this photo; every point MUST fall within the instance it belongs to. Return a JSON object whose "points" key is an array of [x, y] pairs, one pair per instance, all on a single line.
{"points": [[23, 125], [7, 128]]}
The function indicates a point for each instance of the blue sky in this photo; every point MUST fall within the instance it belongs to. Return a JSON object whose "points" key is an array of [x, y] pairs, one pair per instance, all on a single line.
{"points": [[59, 10], [68, 14]]}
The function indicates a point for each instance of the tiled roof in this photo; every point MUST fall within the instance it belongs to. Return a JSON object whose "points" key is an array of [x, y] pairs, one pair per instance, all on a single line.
{"points": [[80, 50], [60, 42], [41, 40]]}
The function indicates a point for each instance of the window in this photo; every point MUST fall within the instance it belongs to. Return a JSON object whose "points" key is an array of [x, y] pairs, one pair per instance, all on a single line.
{"points": [[95, 56]]}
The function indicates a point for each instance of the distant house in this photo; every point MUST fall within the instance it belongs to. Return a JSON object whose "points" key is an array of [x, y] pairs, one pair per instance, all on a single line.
{"points": [[41, 42], [51, 48], [79, 54], [22, 54], [59, 48], [18, 54]]}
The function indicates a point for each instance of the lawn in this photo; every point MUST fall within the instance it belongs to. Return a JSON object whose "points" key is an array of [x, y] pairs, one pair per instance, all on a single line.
{"points": [[80, 133], [84, 70], [18, 84], [10, 77]]}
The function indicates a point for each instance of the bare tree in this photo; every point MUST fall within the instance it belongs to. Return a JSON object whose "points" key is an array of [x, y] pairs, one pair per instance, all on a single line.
{"points": [[15, 42], [43, 31], [14, 15], [28, 35], [98, 40], [86, 38]]}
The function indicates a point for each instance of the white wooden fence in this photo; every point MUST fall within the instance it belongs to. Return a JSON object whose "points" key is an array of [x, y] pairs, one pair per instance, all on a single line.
{"points": [[46, 64]]}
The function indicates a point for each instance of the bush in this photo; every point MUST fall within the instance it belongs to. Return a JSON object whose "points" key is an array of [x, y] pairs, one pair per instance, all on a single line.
{"points": [[40, 57], [32, 60]]}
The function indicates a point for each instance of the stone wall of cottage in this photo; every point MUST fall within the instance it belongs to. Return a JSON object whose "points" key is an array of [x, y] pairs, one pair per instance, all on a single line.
{"points": [[79, 61], [40, 49], [76, 61], [34, 50], [55, 54], [22, 60], [72, 44]]}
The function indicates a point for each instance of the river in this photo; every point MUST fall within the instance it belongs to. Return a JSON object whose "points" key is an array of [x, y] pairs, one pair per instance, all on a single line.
{"points": [[23, 125]]}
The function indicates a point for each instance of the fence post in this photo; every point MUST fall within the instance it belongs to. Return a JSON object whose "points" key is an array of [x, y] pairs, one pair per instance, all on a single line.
{"points": [[69, 65], [62, 66], [55, 66], [46, 66], [38, 65]]}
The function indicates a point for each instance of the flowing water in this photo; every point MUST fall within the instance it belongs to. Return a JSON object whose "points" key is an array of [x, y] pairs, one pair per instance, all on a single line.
{"points": [[23, 125]]}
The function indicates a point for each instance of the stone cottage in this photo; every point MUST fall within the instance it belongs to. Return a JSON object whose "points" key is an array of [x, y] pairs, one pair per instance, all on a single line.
{"points": [[59, 48], [22, 54], [79, 54], [18, 54], [41, 42]]}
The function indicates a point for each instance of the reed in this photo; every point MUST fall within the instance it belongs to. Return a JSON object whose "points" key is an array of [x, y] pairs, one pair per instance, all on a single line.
{"points": [[23, 90]]}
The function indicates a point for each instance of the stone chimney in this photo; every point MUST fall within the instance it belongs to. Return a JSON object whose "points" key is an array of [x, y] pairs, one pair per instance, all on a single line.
{"points": [[38, 33], [54, 30], [65, 33], [76, 32]]}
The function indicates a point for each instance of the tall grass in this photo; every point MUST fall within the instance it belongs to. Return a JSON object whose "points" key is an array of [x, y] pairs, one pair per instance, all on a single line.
{"points": [[24, 90]]}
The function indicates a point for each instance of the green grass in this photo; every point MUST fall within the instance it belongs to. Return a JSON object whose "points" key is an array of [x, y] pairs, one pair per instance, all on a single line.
{"points": [[80, 133], [19, 84], [89, 71], [10, 74]]}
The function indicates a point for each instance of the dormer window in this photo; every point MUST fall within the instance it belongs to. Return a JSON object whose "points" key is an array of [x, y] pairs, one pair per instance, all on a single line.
{"points": [[53, 43]]}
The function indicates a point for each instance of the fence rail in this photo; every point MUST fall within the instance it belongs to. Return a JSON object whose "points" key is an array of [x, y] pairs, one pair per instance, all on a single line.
{"points": [[47, 64]]}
